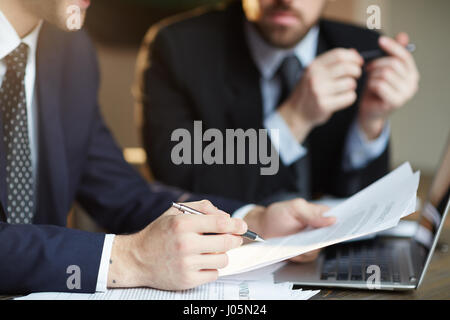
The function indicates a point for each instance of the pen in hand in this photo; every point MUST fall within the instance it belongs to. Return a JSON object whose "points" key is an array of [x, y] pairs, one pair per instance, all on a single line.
{"points": [[378, 53], [250, 235]]}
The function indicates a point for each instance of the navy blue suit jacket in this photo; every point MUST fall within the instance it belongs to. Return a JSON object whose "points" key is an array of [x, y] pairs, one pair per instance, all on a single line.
{"points": [[78, 161]]}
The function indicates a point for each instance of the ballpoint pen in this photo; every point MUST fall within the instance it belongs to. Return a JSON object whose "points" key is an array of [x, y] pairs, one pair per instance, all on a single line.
{"points": [[378, 53], [248, 235]]}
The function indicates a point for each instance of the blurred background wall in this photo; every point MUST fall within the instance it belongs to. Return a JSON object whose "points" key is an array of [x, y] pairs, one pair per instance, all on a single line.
{"points": [[418, 131]]}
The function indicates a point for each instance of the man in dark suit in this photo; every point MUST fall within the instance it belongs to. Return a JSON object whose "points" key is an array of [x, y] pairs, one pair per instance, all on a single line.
{"points": [[273, 65], [55, 149]]}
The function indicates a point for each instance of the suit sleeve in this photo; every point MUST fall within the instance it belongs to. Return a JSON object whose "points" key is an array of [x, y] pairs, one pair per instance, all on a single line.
{"points": [[43, 258]]}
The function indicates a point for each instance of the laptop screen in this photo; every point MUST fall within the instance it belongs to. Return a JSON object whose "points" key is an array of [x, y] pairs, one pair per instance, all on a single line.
{"points": [[434, 207], [434, 211]]}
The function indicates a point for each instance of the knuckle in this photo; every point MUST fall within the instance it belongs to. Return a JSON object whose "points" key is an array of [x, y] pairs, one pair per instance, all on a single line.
{"points": [[352, 83], [205, 204], [181, 245], [214, 275], [340, 54], [300, 203], [227, 242], [223, 261], [184, 265], [397, 65], [222, 223], [178, 224], [386, 74]]}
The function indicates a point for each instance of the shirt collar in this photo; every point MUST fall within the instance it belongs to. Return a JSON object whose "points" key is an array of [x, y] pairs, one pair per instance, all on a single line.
{"points": [[10, 40], [268, 58]]}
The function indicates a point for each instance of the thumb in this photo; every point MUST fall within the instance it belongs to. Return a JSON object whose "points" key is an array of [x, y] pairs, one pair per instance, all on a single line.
{"points": [[312, 214], [317, 220]]}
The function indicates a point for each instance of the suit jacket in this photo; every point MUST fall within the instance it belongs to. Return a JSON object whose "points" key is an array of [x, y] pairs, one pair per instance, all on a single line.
{"points": [[198, 67], [78, 160]]}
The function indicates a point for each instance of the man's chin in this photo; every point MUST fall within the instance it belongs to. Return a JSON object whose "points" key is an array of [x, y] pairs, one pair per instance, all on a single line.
{"points": [[284, 39]]}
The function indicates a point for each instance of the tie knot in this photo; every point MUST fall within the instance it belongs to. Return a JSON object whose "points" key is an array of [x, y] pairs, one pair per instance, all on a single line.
{"points": [[17, 59]]}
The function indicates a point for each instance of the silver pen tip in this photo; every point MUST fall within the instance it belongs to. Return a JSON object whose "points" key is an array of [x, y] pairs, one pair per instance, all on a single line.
{"points": [[259, 239]]}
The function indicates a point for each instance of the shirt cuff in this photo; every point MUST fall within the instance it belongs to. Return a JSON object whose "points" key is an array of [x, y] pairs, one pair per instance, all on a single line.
{"points": [[360, 151], [243, 211], [289, 149], [102, 279]]}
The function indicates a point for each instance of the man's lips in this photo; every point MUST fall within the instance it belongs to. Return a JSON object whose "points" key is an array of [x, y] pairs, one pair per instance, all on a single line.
{"points": [[283, 18]]}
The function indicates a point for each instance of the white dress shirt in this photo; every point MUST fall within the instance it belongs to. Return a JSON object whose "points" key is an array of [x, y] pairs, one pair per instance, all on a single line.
{"points": [[9, 41], [358, 150]]}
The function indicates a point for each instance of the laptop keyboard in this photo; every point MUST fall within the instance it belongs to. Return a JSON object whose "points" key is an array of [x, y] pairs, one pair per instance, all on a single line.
{"points": [[351, 262]]}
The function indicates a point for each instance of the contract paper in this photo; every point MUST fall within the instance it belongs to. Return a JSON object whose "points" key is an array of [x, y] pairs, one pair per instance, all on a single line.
{"points": [[252, 290], [378, 207]]}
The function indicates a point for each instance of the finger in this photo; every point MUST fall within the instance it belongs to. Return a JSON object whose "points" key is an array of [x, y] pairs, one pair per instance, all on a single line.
{"points": [[343, 85], [307, 257], [402, 38], [206, 276], [341, 101], [213, 224], [346, 69], [393, 48], [215, 243], [341, 55], [390, 62], [385, 92], [210, 261], [205, 207], [391, 77], [312, 214]]}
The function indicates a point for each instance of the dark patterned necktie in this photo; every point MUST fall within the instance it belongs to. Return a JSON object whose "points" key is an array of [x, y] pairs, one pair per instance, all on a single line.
{"points": [[290, 73], [19, 171]]}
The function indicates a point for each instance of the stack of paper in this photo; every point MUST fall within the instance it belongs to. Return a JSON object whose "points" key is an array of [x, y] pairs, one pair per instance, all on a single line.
{"points": [[378, 207], [244, 290]]}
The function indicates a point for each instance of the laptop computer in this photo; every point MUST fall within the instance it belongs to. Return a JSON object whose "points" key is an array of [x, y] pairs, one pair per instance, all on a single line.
{"points": [[401, 262]]}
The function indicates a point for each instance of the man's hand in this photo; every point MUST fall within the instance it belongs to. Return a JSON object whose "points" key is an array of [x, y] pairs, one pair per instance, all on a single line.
{"points": [[289, 217], [173, 252], [392, 81], [328, 85]]}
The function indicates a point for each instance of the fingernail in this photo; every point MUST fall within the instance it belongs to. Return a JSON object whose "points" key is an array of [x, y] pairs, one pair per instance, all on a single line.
{"points": [[384, 40], [244, 226]]}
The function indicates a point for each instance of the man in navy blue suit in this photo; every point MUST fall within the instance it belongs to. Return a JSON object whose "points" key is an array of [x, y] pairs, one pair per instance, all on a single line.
{"points": [[55, 149]]}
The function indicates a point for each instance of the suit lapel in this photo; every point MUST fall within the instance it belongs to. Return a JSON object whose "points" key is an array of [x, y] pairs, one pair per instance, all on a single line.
{"points": [[242, 76], [53, 179]]}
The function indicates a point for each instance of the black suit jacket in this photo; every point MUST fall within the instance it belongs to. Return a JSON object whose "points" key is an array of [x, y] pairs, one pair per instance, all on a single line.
{"points": [[198, 67], [78, 160]]}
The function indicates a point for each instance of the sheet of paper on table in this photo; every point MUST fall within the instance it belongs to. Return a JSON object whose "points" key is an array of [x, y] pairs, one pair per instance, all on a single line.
{"points": [[378, 207], [243, 290]]}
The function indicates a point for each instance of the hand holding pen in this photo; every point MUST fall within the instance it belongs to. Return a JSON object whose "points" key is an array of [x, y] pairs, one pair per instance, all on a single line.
{"points": [[250, 235]]}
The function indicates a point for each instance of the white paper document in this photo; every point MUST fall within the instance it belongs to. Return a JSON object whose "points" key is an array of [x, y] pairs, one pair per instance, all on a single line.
{"points": [[244, 290], [378, 207]]}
